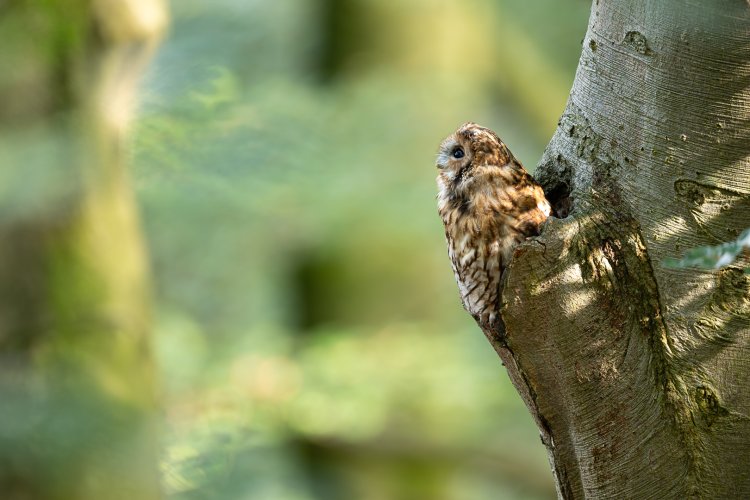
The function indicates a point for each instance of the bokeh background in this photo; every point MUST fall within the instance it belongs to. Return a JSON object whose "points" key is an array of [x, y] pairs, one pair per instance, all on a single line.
{"points": [[308, 333]]}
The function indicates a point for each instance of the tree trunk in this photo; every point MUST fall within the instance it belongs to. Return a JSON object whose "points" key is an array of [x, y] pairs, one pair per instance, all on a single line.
{"points": [[638, 375], [77, 418]]}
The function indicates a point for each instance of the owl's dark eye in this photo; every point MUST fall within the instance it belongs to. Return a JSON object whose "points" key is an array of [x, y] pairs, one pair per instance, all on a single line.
{"points": [[458, 152]]}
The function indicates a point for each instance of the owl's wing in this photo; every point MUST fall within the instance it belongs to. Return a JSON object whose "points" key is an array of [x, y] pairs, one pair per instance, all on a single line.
{"points": [[531, 206]]}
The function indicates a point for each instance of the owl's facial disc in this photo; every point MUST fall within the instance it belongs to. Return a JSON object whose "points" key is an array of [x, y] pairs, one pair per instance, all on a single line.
{"points": [[454, 155], [455, 162]]}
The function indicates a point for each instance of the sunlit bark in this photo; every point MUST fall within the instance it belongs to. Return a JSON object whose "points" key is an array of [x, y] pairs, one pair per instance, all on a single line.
{"points": [[638, 375]]}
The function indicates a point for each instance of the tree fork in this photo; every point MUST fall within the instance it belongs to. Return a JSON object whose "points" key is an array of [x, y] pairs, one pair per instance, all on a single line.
{"points": [[636, 374]]}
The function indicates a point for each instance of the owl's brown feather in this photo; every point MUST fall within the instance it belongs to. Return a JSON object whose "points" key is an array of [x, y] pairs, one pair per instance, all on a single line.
{"points": [[488, 204]]}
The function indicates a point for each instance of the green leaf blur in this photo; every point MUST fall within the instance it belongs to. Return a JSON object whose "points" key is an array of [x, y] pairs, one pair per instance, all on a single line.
{"points": [[713, 257], [309, 331]]}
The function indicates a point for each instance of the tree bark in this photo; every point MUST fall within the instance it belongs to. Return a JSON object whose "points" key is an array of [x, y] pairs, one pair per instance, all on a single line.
{"points": [[636, 374], [77, 418]]}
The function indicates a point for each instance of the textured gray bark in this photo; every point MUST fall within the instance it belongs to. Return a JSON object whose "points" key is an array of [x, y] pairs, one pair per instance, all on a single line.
{"points": [[638, 376]]}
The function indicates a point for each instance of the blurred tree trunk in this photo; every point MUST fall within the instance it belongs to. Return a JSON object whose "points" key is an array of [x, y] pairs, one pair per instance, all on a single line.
{"points": [[638, 375], [77, 411]]}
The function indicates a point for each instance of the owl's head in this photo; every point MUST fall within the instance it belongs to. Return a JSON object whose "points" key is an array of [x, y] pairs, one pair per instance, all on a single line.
{"points": [[466, 154]]}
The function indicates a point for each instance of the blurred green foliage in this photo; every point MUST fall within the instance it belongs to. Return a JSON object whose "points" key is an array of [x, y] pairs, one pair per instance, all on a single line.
{"points": [[713, 257], [308, 328]]}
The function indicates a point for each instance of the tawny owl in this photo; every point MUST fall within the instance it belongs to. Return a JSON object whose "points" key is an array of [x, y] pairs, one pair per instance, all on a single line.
{"points": [[489, 204]]}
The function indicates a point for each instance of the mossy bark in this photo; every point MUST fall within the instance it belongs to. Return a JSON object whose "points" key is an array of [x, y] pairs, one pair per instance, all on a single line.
{"points": [[77, 418], [638, 375]]}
